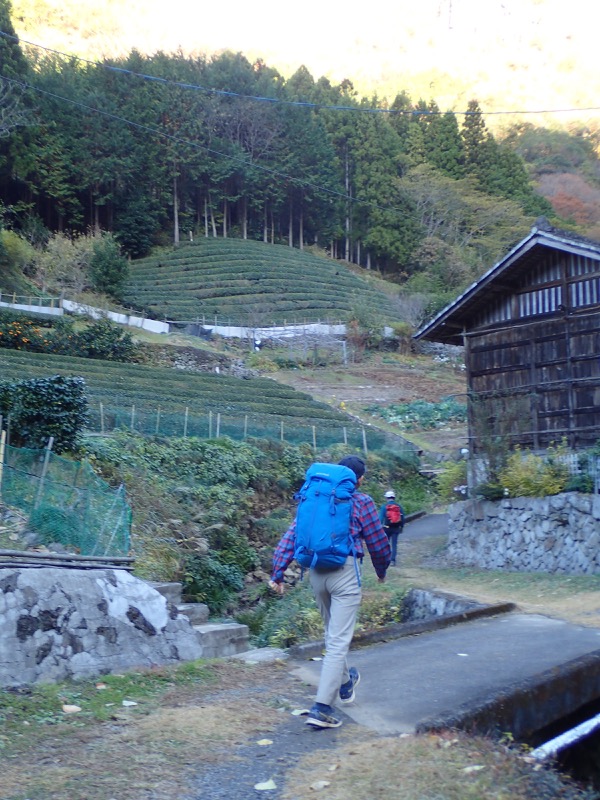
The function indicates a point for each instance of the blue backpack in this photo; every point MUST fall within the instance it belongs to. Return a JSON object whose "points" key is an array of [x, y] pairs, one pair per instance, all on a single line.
{"points": [[323, 540]]}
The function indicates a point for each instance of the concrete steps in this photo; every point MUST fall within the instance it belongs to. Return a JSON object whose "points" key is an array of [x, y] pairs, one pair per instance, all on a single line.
{"points": [[218, 639]]}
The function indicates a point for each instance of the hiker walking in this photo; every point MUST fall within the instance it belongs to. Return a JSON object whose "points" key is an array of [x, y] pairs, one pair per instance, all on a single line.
{"points": [[391, 515], [327, 536]]}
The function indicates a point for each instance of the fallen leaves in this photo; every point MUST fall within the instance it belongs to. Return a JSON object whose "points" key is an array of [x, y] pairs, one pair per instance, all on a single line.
{"points": [[69, 709], [266, 786], [318, 785]]}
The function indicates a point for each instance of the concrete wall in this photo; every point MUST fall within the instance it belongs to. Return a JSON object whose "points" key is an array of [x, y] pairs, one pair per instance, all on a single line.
{"points": [[59, 623], [559, 534], [52, 311], [122, 319]]}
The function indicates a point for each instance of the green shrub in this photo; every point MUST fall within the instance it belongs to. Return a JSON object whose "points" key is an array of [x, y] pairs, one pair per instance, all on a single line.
{"points": [[291, 619], [45, 407], [23, 334], [529, 475], [108, 268], [106, 340], [580, 483], [490, 491], [380, 608], [452, 482], [207, 580]]}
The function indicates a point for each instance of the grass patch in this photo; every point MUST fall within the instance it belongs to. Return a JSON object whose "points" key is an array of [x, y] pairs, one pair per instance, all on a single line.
{"points": [[574, 598], [108, 750], [445, 767]]}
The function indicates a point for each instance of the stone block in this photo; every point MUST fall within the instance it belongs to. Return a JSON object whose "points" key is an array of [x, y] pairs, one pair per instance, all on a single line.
{"points": [[171, 591], [222, 639], [197, 613]]}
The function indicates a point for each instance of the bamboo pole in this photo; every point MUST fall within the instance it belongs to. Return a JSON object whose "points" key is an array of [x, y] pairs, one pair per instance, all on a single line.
{"points": [[39, 556]]}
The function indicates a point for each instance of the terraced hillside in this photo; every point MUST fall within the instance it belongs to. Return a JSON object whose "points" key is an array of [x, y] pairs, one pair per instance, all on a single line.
{"points": [[173, 402], [249, 283]]}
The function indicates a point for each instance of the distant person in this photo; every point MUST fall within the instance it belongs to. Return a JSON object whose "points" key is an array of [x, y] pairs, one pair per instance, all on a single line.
{"points": [[337, 591], [391, 515]]}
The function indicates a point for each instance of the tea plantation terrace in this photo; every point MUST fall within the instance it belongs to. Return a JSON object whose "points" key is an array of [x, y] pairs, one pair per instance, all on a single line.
{"points": [[246, 282], [131, 394]]}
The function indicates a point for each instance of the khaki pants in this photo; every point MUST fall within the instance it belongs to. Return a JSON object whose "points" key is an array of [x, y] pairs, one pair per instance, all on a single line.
{"points": [[338, 596]]}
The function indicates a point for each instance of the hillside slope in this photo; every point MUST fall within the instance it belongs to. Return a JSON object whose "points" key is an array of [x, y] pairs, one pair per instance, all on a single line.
{"points": [[244, 282], [166, 401]]}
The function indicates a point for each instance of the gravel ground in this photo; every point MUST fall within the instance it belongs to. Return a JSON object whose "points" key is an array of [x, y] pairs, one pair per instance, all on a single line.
{"points": [[235, 777]]}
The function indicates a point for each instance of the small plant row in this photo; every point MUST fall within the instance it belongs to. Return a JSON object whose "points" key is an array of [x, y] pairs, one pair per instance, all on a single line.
{"points": [[208, 424], [134, 384], [420, 414], [241, 279]]}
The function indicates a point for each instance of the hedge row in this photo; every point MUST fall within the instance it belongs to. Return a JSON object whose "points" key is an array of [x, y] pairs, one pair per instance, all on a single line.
{"points": [[239, 279], [134, 384]]}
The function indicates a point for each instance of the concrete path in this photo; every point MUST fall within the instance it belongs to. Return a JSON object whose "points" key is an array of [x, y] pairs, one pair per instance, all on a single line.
{"points": [[449, 675], [410, 681]]}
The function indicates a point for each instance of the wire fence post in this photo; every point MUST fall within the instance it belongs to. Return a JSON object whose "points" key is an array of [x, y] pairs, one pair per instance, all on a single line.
{"points": [[345, 436], [132, 418], [185, 422], [44, 471], [210, 424], [282, 430], [364, 435], [246, 426], [218, 425], [2, 449], [157, 420], [314, 436], [101, 418]]}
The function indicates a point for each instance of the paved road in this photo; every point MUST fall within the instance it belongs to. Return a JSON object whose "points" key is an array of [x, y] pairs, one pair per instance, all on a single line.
{"points": [[428, 525], [409, 680]]}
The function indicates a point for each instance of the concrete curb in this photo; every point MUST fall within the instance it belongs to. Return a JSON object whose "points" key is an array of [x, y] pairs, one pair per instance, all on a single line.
{"points": [[528, 706], [397, 630]]}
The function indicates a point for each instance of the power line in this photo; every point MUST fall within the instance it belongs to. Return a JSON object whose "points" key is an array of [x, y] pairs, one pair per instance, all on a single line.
{"points": [[294, 103]]}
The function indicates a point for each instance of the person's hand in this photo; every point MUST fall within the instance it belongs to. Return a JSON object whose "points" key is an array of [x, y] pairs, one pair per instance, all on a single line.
{"points": [[276, 587]]}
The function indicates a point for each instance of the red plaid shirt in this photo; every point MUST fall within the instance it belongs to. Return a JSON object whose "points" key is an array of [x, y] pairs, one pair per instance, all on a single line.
{"points": [[364, 526]]}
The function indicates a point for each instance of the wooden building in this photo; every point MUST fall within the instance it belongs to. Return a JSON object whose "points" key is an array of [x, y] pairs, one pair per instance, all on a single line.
{"points": [[531, 331]]}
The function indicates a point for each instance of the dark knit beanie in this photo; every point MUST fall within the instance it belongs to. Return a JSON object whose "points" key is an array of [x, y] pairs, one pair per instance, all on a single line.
{"points": [[356, 464]]}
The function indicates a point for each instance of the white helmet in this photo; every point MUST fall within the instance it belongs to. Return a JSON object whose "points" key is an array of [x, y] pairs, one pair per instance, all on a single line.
{"points": [[390, 494]]}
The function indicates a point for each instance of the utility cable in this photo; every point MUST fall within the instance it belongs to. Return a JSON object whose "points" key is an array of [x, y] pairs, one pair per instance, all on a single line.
{"points": [[296, 103]]}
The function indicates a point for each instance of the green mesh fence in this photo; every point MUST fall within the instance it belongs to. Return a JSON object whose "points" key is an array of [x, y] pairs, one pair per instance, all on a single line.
{"points": [[208, 425], [63, 502]]}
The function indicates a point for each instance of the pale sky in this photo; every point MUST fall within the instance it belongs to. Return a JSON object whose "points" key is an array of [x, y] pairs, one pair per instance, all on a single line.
{"points": [[513, 53]]}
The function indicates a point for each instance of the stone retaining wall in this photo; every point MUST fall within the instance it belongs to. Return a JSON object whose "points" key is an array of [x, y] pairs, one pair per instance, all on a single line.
{"points": [[557, 534], [59, 623]]}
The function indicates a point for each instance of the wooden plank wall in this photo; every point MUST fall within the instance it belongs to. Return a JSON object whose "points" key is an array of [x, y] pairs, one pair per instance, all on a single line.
{"points": [[542, 377]]}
